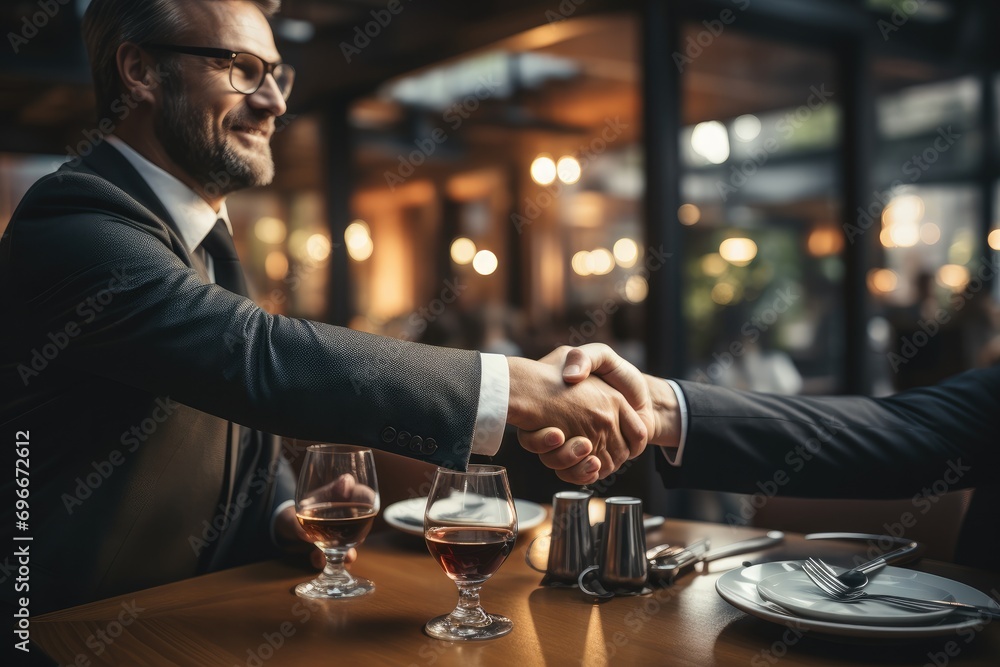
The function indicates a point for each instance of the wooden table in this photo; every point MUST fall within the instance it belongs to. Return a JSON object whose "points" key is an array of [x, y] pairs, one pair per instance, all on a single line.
{"points": [[250, 616]]}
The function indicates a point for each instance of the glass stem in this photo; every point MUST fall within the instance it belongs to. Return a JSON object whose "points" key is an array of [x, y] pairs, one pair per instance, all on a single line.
{"points": [[469, 611], [335, 570]]}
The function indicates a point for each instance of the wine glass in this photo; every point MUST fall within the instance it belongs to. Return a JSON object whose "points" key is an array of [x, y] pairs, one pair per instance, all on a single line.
{"points": [[336, 500], [470, 525]]}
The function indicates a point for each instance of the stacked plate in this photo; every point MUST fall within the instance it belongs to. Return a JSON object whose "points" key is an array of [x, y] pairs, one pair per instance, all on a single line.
{"points": [[782, 593], [408, 515]]}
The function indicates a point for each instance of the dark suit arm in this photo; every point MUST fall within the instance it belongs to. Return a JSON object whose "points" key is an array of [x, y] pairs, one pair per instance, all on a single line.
{"points": [[846, 447], [140, 316]]}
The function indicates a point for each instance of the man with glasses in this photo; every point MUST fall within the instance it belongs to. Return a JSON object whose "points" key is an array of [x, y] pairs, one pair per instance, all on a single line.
{"points": [[145, 380]]}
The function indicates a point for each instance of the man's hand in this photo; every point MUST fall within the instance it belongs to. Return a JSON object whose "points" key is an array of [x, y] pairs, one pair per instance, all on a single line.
{"points": [[652, 398], [540, 399], [292, 539]]}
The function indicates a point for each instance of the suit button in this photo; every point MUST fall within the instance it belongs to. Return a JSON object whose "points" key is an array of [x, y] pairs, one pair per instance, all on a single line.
{"points": [[416, 445], [388, 434], [430, 446], [403, 439]]}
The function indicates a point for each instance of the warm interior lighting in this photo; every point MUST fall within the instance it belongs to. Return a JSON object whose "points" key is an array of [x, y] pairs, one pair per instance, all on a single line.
{"points": [[463, 250], [711, 140], [713, 265], [568, 170], [543, 170], [276, 265], [485, 262], [825, 241], [747, 127], [358, 238], [270, 230], [905, 234], [902, 220], [357, 234], [723, 294], [626, 252], [885, 238], [994, 239], [953, 276], [318, 248], [636, 289], [602, 261], [582, 264], [688, 214], [297, 241], [930, 233], [882, 281], [738, 251], [905, 208]]}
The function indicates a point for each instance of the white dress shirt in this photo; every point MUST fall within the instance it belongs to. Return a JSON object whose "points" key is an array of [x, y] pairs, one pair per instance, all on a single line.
{"points": [[674, 456]]}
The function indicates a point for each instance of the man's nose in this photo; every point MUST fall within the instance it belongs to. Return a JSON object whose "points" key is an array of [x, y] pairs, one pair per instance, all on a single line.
{"points": [[269, 97]]}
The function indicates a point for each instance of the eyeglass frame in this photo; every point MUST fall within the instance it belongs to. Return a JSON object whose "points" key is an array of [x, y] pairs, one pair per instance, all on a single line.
{"points": [[231, 56]]}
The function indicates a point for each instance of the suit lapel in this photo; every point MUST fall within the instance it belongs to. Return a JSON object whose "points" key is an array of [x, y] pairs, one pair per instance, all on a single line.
{"points": [[106, 162]]}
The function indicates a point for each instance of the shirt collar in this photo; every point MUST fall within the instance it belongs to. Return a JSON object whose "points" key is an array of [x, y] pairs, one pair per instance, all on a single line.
{"points": [[192, 214]]}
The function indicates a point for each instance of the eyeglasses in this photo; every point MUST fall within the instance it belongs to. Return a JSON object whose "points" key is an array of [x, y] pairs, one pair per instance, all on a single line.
{"points": [[246, 71]]}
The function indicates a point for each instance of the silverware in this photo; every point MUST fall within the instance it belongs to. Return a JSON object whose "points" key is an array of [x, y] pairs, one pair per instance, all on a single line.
{"points": [[670, 568], [857, 577], [825, 579]]}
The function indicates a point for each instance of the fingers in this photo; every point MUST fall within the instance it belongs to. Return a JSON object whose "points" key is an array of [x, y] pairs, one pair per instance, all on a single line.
{"points": [[541, 441], [567, 456], [633, 430], [317, 559], [578, 366], [586, 471], [342, 488], [352, 555]]}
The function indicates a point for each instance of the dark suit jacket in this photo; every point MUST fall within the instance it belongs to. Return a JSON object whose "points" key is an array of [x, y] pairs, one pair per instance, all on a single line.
{"points": [[132, 375], [931, 439]]}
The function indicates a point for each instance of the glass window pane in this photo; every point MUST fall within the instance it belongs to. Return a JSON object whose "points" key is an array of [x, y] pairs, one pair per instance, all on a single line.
{"points": [[763, 244]]}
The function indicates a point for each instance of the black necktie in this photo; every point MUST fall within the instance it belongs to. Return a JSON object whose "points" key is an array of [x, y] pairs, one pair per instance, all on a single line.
{"points": [[226, 263]]}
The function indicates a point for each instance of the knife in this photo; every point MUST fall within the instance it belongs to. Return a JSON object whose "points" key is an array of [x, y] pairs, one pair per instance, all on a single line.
{"points": [[670, 568]]}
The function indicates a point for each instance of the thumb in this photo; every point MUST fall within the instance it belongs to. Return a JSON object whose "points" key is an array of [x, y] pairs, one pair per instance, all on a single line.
{"points": [[578, 366]]}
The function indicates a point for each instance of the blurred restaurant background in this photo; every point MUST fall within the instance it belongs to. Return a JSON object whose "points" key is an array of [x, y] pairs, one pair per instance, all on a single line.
{"points": [[794, 196]]}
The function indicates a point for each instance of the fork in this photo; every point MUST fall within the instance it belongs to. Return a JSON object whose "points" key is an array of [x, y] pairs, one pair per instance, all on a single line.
{"points": [[825, 578]]}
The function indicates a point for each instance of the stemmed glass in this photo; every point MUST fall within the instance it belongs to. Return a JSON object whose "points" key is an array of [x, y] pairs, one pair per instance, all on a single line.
{"points": [[336, 500], [470, 526]]}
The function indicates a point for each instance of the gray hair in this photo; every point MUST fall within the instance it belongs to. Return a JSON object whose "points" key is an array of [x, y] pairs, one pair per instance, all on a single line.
{"points": [[107, 24]]}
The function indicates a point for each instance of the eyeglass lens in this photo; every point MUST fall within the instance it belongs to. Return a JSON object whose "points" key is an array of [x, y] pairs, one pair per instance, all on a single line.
{"points": [[248, 71]]}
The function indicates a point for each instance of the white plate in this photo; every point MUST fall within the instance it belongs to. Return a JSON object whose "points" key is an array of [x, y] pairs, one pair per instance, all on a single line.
{"points": [[408, 515], [796, 592], [739, 588]]}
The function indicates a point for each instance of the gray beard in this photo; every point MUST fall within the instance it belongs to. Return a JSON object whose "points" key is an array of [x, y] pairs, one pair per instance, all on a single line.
{"points": [[211, 161]]}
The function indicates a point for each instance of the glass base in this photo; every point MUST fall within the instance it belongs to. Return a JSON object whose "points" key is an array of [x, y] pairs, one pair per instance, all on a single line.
{"points": [[443, 627], [320, 590]]}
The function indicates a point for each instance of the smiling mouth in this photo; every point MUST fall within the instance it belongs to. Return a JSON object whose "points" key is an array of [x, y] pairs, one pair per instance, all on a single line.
{"points": [[252, 131]]}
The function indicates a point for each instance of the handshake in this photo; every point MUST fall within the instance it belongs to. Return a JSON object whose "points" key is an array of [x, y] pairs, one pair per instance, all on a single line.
{"points": [[585, 411]]}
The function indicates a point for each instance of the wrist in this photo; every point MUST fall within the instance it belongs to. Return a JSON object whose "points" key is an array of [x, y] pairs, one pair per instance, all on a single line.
{"points": [[666, 411]]}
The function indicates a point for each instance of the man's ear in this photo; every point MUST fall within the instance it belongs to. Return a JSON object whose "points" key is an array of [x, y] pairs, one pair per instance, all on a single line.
{"points": [[137, 72]]}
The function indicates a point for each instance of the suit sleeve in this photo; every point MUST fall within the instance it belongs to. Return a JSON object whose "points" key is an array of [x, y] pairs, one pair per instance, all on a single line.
{"points": [[842, 447], [138, 315]]}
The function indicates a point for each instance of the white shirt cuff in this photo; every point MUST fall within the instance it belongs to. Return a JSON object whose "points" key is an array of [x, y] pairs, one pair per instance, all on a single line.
{"points": [[274, 518], [673, 455], [494, 394]]}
